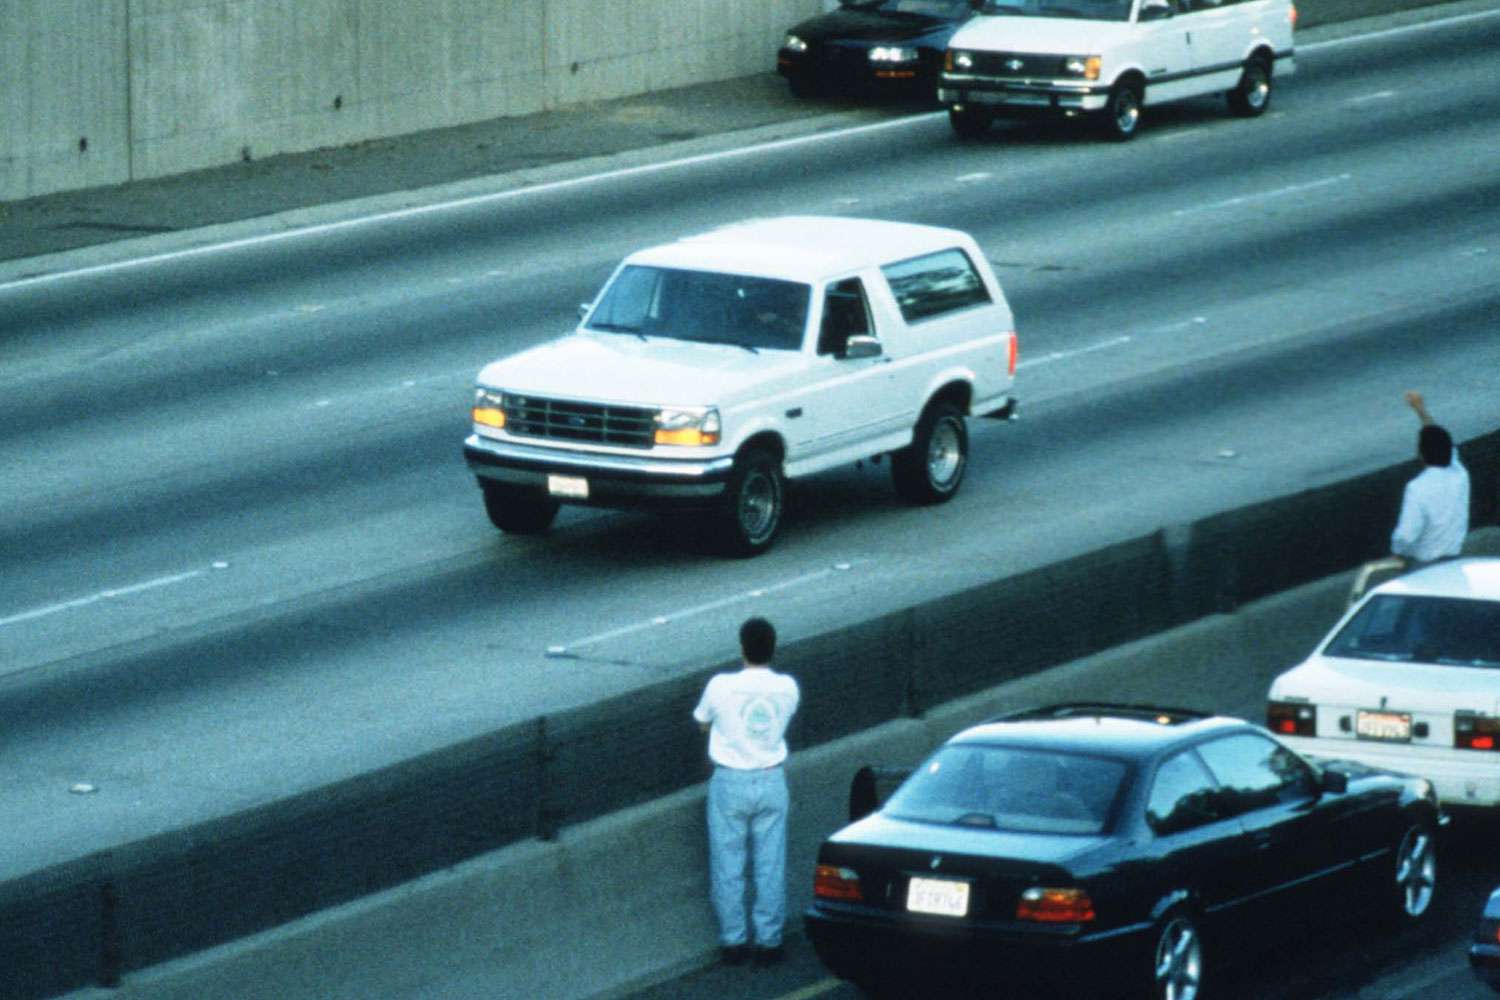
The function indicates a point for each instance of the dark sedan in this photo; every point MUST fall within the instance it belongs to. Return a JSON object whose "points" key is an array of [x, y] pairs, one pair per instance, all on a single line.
{"points": [[1055, 845], [872, 47]]}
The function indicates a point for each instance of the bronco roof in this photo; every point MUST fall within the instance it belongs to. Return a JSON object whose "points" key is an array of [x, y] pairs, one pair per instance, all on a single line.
{"points": [[806, 248]]}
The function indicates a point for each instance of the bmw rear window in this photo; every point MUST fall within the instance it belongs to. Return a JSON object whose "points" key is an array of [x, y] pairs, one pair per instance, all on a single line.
{"points": [[1017, 789]]}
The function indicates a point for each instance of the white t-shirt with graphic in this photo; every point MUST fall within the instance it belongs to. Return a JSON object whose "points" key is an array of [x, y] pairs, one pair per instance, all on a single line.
{"points": [[747, 712]]}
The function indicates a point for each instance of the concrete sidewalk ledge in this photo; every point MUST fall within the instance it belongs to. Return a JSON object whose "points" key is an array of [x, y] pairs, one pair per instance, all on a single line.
{"points": [[620, 902]]}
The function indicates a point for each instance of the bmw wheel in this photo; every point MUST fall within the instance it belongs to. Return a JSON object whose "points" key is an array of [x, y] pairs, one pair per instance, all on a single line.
{"points": [[1415, 875], [1177, 959]]}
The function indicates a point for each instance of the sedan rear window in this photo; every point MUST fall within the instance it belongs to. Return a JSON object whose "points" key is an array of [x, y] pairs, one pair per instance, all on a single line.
{"points": [[1451, 631], [1005, 788]]}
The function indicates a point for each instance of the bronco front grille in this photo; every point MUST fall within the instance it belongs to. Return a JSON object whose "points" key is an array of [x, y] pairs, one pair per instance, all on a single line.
{"points": [[569, 420]]}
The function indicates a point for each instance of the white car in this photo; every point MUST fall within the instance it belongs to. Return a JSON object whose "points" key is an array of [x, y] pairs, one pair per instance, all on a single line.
{"points": [[1107, 59], [1408, 680], [712, 369]]}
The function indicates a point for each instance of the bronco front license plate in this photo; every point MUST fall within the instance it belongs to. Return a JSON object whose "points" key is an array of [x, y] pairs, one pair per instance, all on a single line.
{"points": [[575, 487], [944, 897], [1391, 727]]}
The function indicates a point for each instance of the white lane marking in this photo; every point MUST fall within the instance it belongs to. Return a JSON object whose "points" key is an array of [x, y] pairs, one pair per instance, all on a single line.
{"points": [[832, 135], [971, 178], [103, 595], [1047, 359], [1380, 95], [1259, 196], [656, 621]]}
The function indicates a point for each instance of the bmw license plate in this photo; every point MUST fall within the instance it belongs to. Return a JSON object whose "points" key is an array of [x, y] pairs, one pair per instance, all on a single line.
{"points": [[1390, 727], [574, 487], [942, 896]]}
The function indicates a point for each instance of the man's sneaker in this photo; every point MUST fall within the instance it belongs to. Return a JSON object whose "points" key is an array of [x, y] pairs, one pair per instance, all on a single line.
{"points": [[734, 954], [773, 955]]}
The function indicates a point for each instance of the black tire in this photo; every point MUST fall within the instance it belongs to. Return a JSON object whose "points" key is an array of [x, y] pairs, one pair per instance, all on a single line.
{"points": [[754, 502], [1410, 881], [1252, 95], [1121, 117], [801, 85], [968, 122], [931, 468], [1174, 967], [518, 511]]}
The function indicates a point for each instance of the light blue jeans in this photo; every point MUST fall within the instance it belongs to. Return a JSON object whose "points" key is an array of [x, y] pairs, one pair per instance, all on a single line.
{"points": [[747, 822]]}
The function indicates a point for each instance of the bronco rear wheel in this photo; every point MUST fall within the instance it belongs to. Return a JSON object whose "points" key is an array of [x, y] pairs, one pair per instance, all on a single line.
{"points": [[931, 468]]}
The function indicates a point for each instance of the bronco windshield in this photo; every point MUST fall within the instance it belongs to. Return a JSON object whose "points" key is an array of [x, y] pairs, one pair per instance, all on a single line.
{"points": [[704, 306], [1088, 10], [1451, 631], [1004, 788]]}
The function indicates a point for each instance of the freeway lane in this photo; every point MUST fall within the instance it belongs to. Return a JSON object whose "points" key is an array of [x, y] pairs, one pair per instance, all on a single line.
{"points": [[243, 555]]}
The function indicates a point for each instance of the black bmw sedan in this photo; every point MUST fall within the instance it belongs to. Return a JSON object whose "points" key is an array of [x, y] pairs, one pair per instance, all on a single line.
{"points": [[872, 47], [1106, 850]]}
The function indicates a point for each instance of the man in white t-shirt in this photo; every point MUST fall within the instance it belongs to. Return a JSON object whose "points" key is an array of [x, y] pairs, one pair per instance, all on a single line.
{"points": [[745, 714], [1435, 506]]}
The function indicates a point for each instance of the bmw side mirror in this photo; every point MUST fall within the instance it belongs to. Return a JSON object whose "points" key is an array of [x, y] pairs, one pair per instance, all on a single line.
{"points": [[1336, 782]]}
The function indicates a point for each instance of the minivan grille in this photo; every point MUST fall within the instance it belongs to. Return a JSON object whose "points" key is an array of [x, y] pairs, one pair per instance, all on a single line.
{"points": [[1018, 64], [569, 420]]}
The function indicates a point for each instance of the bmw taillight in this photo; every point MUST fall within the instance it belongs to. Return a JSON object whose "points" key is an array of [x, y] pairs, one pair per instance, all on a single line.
{"points": [[1055, 906], [1292, 718], [834, 882], [1476, 732]]}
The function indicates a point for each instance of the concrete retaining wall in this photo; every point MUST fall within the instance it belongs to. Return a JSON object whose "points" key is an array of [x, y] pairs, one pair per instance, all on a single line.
{"points": [[96, 92]]}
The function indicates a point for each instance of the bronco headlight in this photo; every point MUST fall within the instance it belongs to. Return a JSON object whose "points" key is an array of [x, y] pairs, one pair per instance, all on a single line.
{"points": [[691, 426], [1084, 66], [893, 54], [489, 407], [793, 43]]}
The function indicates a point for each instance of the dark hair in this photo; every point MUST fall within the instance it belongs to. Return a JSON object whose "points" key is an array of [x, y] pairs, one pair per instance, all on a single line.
{"points": [[757, 641], [1435, 445]]}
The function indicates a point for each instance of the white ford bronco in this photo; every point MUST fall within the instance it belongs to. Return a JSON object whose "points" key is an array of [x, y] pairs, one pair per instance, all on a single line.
{"points": [[711, 370], [1106, 59]]}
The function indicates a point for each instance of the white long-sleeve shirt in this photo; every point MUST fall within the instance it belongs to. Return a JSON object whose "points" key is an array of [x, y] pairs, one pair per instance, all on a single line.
{"points": [[1434, 514]]}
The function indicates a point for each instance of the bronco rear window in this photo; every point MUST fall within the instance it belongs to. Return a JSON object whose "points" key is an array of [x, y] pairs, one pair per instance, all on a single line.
{"points": [[1004, 788], [1451, 631], [934, 284]]}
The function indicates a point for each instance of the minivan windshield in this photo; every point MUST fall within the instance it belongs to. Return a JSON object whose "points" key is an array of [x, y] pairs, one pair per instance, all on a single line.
{"points": [[1005, 788], [704, 306], [1410, 628], [1088, 10]]}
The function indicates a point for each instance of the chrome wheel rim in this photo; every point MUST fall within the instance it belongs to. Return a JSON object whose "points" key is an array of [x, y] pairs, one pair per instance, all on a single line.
{"points": [[1179, 961], [1127, 112], [1257, 86], [1416, 872], [760, 506], [945, 454]]}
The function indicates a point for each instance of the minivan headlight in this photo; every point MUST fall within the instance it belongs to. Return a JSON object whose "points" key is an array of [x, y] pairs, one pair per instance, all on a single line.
{"points": [[690, 426], [1086, 67], [958, 59]]}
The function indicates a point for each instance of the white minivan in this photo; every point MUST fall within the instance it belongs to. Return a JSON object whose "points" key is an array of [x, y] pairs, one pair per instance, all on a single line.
{"points": [[1107, 59]]}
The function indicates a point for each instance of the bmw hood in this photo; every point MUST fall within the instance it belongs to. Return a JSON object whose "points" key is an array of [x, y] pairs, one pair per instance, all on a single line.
{"points": [[624, 369]]}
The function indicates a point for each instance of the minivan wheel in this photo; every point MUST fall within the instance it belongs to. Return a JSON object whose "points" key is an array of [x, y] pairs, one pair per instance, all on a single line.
{"points": [[1176, 958], [968, 122], [751, 511], [931, 468], [1252, 95], [1122, 114], [517, 510]]}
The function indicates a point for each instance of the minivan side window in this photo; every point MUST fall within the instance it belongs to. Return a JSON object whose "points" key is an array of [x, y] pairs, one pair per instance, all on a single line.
{"points": [[935, 284]]}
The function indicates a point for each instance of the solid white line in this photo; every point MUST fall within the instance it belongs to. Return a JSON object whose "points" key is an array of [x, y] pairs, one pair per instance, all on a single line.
{"points": [[524, 191], [103, 595], [564, 649], [1380, 95]]}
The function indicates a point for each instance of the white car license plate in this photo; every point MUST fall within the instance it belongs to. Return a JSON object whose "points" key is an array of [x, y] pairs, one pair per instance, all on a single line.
{"points": [[1393, 727], [937, 895], [575, 487]]}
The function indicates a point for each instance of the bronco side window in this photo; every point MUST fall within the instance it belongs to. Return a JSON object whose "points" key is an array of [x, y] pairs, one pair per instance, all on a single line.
{"points": [[845, 313]]}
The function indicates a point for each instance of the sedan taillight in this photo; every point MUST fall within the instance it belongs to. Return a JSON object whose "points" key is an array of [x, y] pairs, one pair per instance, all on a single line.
{"points": [[833, 882], [1055, 906], [1291, 718], [1476, 732]]}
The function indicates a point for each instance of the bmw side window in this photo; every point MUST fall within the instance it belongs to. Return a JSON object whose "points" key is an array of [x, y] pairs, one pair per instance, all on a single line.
{"points": [[1182, 797], [1256, 771], [846, 313]]}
